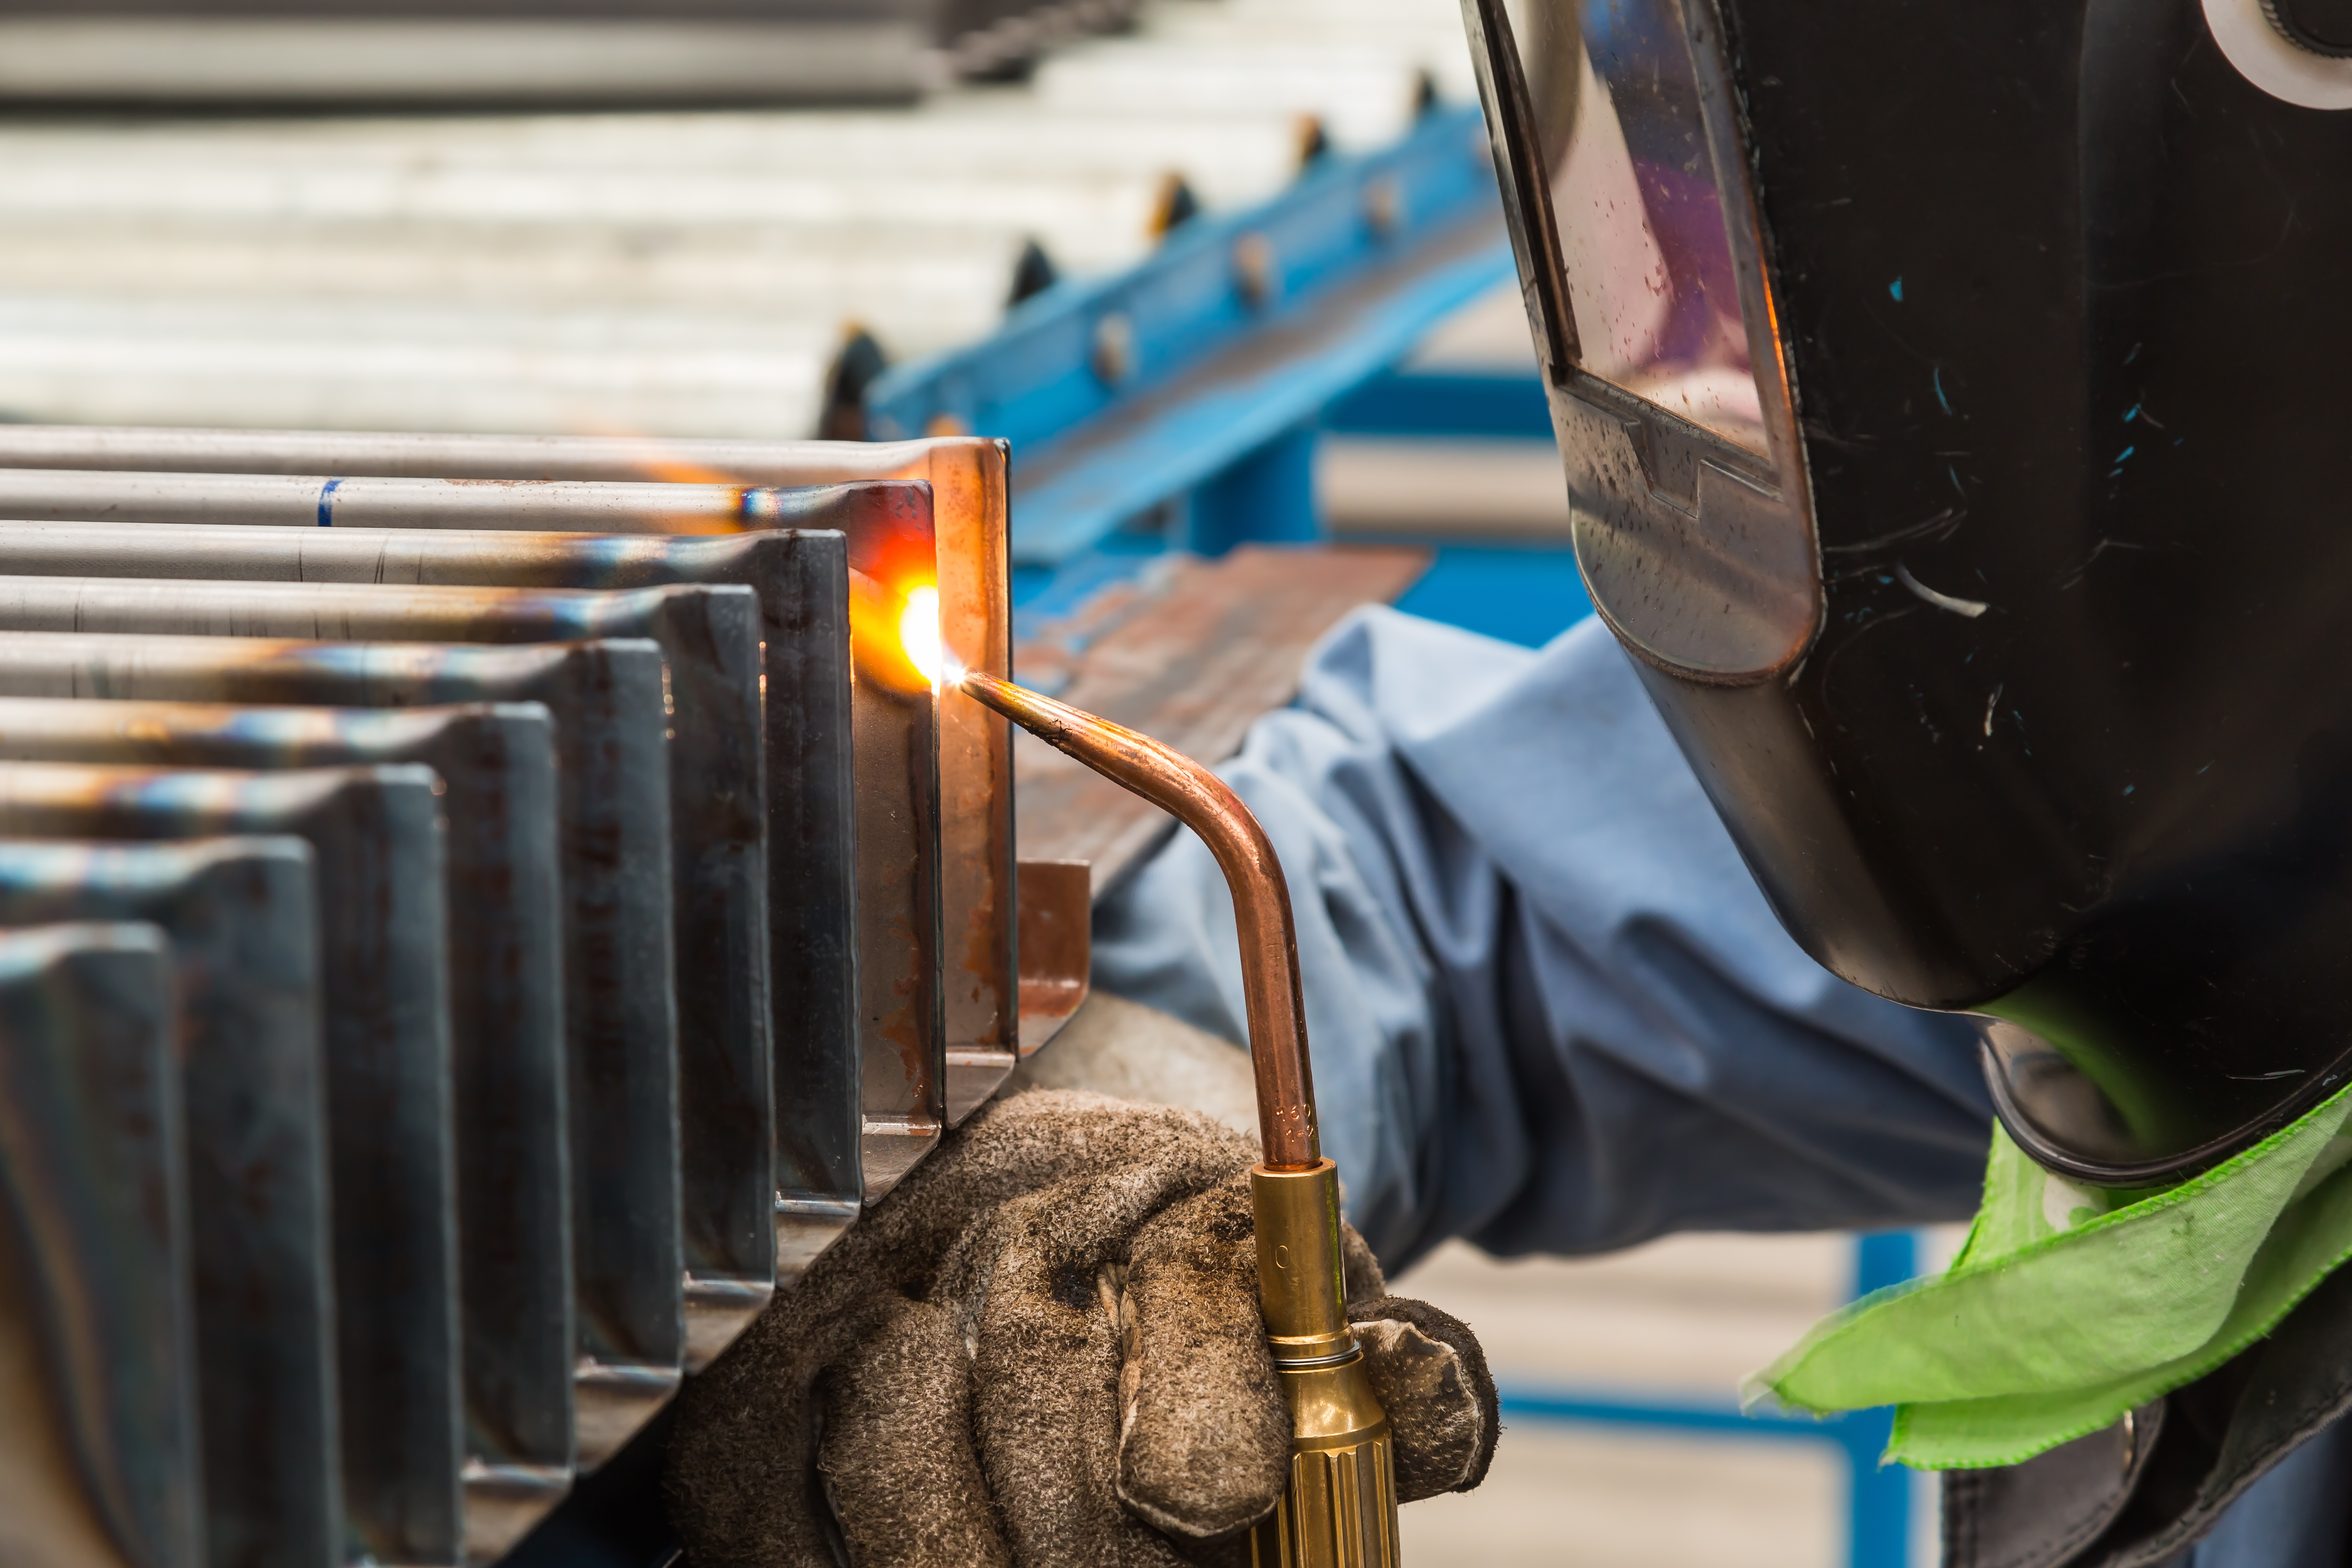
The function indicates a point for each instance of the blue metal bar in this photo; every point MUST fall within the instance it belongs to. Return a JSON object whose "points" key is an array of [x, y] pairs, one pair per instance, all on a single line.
{"points": [[1267, 498], [1459, 403], [1878, 1496], [1523, 595], [1223, 349], [1717, 1419]]}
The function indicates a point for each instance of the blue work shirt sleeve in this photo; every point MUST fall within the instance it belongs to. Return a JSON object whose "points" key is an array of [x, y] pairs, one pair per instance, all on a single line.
{"points": [[1550, 1010]]}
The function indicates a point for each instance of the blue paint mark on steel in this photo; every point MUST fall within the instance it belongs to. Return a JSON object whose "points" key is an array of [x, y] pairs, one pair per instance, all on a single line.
{"points": [[2132, 413], [1940, 398], [1878, 1496], [2127, 452], [1437, 403], [1896, 288], [327, 502]]}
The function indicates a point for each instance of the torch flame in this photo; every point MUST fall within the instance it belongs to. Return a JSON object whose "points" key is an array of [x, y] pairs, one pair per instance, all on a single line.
{"points": [[919, 633]]}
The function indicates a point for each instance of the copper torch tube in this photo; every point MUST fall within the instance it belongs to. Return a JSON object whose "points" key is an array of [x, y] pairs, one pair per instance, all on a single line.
{"points": [[1200, 800]]}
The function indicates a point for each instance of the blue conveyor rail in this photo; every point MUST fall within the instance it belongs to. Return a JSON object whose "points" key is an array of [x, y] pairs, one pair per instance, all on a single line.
{"points": [[1197, 379]]}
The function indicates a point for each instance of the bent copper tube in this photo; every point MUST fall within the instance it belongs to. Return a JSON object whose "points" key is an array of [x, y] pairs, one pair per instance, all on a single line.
{"points": [[1200, 800]]}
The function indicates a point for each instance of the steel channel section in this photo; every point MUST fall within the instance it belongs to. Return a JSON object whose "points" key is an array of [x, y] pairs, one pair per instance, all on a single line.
{"points": [[608, 699], [375, 836], [497, 765], [734, 863], [97, 1336], [967, 479], [243, 918], [623, 1096]]}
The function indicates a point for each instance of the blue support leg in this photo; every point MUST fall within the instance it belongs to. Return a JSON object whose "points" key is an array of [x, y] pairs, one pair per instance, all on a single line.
{"points": [[1269, 497], [1878, 1497]]}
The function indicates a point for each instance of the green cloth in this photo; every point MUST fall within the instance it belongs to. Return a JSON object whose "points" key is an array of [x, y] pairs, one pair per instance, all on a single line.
{"points": [[2070, 1305]]}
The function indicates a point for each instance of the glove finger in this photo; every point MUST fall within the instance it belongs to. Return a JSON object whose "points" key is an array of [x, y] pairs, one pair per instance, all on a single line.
{"points": [[904, 1483], [1359, 1269], [1045, 1374], [1204, 1429], [1431, 1376], [741, 1472]]}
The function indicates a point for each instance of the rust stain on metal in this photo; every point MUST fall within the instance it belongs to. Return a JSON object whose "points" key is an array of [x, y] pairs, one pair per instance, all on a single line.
{"points": [[1191, 660]]}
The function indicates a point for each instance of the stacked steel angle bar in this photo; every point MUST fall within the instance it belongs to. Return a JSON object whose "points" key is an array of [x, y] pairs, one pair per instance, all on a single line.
{"points": [[465, 945], [472, 960]]}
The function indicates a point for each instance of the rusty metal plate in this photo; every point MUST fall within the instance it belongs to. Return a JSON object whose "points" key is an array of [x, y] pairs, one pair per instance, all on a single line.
{"points": [[608, 699], [93, 1165], [1056, 946], [496, 762], [1191, 659], [242, 917], [375, 839]]}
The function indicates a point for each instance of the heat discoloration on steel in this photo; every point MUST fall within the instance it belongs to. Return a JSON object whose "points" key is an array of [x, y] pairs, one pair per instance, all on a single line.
{"points": [[97, 1332], [733, 863], [375, 839], [242, 917], [1220, 643], [497, 764], [608, 702], [1056, 946], [863, 489]]}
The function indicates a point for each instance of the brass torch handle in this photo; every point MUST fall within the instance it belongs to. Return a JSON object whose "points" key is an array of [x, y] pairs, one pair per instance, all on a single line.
{"points": [[1340, 1509], [1200, 800]]}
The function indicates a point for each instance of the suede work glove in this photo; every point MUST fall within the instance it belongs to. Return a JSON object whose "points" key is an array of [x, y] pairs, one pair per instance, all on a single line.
{"points": [[1043, 1349]]}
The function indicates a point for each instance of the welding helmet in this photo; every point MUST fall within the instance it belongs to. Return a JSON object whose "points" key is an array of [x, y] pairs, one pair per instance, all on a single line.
{"points": [[1957, 404]]}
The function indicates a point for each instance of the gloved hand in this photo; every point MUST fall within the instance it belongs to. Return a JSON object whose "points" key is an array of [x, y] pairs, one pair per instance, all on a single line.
{"points": [[1044, 1350]]}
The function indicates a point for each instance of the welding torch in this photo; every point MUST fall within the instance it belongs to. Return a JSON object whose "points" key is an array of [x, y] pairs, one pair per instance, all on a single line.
{"points": [[1338, 1509]]}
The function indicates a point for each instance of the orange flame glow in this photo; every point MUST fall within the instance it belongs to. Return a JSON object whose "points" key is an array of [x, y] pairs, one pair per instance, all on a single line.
{"points": [[894, 630], [919, 633]]}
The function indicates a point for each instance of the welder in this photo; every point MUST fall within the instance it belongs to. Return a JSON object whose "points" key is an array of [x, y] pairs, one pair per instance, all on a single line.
{"points": [[1953, 401]]}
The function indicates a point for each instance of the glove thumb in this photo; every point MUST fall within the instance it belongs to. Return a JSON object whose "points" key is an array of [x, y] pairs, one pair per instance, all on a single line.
{"points": [[1204, 1429], [1432, 1379]]}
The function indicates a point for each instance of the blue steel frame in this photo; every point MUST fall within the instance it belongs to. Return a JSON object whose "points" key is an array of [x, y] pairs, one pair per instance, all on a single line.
{"points": [[1877, 1496], [1190, 387]]}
